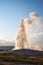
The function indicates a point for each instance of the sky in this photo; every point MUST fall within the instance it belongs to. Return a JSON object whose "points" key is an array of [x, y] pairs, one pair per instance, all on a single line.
{"points": [[12, 12]]}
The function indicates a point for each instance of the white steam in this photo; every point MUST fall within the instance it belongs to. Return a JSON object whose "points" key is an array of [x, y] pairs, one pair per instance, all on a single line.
{"points": [[30, 33]]}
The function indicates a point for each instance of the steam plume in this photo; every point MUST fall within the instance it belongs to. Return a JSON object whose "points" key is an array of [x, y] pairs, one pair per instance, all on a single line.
{"points": [[29, 30]]}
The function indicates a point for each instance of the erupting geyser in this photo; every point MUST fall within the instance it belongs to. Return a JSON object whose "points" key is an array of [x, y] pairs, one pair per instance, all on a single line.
{"points": [[21, 39], [28, 33]]}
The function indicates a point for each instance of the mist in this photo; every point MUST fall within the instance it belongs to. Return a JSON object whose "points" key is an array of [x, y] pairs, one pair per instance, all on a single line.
{"points": [[30, 33]]}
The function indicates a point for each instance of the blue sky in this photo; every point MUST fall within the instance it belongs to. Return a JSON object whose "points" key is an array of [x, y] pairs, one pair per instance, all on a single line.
{"points": [[11, 13]]}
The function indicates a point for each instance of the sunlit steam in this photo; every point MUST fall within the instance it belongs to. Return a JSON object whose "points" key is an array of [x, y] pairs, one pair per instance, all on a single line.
{"points": [[29, 30]]}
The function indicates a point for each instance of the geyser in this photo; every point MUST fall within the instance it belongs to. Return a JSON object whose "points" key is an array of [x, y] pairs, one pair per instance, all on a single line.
{"points": [[21, 39], [28, 32]]}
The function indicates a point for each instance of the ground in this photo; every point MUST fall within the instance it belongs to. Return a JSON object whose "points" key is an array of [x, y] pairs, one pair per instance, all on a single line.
{"points": [[17, 58]]}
